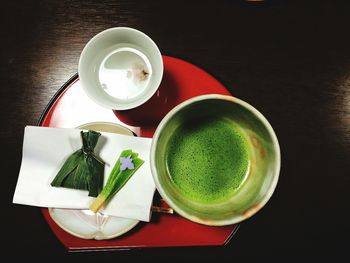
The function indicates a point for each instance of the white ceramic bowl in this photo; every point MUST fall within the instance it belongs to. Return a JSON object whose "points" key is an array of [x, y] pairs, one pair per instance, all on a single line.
{"points": [[120, 68]]}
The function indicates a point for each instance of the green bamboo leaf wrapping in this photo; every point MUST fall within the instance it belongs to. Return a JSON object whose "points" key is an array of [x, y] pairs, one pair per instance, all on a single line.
{"points": [[83, 169], [95, 183], [68, 167]]}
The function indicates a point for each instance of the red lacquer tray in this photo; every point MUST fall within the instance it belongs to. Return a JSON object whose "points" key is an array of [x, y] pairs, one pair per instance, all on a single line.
{"points": [[70, 107]]}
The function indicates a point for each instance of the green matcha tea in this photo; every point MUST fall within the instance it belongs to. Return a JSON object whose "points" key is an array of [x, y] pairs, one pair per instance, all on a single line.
{"points": [[208, 159]]}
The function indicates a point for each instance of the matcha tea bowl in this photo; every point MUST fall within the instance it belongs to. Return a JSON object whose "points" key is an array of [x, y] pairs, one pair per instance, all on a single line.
{"points": [[215, 160]]}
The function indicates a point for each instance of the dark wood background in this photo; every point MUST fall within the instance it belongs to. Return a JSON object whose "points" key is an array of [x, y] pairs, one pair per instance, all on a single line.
{"points": [[290, 59]]}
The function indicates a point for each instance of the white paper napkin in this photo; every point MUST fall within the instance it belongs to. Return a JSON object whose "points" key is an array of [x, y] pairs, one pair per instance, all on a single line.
{"points": [[46, 149]]}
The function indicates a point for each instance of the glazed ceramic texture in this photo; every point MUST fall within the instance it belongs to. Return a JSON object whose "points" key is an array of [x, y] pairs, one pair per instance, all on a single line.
{"points": [[263, 151]]}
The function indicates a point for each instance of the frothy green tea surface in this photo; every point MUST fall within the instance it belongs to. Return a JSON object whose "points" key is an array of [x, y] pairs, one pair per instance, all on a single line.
{"points": [[208, 159]]}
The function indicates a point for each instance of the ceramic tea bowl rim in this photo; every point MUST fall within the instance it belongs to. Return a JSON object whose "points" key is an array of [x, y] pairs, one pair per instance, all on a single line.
{"points": [[250, 211]]}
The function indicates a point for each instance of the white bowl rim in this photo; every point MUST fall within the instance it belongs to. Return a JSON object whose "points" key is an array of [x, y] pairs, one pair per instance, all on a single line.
{"points": [[119, 103]]}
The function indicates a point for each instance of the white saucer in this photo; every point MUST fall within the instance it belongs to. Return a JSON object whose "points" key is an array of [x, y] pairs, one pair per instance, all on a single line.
{"points": [[84, 223]]}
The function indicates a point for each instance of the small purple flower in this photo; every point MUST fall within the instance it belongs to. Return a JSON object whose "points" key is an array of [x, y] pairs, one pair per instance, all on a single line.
{"points": [[126, 163]]}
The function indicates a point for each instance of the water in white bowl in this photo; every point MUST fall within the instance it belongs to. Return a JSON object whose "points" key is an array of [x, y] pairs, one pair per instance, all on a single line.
{"points": [[124, 71]]}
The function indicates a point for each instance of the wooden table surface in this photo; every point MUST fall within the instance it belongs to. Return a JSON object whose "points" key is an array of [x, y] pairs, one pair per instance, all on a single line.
{"points": [[290, 60]]}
